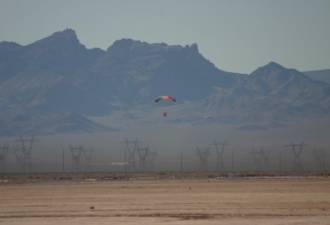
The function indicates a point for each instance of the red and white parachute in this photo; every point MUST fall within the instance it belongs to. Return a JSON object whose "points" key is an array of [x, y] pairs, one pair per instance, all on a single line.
{"points": [[165, 98]]}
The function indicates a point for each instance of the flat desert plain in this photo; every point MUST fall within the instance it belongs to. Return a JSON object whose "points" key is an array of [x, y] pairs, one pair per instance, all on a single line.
{"points": [[265, 201]]}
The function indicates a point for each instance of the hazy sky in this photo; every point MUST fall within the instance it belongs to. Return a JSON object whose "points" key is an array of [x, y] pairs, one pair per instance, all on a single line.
{"points": [[236, 35]]}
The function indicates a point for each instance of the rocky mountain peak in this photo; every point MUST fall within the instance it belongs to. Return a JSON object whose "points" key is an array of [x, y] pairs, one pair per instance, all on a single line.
{"points": [[273, 77], [270, 68], [136, 46], [274, 65], [275, 71], [67, 33], [66, 38]]}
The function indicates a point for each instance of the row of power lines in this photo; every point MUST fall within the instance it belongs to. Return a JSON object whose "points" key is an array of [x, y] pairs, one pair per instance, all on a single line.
{"points": [[138, 156], [22, 150], [261, 157]]}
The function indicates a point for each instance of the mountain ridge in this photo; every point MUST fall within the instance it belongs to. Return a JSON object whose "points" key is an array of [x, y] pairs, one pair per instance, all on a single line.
{"points": [[320, 75], [57, 75]]}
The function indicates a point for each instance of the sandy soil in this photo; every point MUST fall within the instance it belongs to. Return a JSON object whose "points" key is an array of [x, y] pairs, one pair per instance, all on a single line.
{"points": [[229, 201]]}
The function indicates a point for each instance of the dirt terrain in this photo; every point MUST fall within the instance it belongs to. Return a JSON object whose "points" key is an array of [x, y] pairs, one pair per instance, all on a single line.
{"points": [[238, 201]]}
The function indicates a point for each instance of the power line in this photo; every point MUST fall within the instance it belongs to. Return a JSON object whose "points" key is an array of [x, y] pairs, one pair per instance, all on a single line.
{"points": [[297, 150], [24, 151], [4, 149], [203, 154], [219, 150], [261, 159]]}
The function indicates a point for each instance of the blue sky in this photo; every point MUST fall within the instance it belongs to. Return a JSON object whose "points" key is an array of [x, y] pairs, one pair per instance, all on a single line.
{"points": [[236, 35]]}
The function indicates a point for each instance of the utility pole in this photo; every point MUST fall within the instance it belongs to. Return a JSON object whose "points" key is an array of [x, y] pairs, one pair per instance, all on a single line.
{"points": [[63, 159], [87, 156], [152, 158], [280, 162], [181, 162], [4, 148], [320, 157], [232, 160]]}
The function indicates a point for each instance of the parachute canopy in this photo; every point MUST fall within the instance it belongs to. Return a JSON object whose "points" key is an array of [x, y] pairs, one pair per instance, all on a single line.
{"points": [[165, 98]]}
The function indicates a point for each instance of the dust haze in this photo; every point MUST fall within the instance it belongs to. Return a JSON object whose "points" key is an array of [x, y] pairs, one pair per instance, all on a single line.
{"points": [[175, 147]]}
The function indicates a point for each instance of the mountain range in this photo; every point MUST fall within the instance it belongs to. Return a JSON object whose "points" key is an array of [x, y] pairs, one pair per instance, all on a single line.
{"points": [[321, 75], [57, 85]]}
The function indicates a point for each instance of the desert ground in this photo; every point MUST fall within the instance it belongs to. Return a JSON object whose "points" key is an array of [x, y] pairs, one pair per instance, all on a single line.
{"points": [[230, 201]]}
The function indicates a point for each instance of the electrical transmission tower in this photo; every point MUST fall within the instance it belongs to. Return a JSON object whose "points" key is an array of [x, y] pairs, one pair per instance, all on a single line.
{"points": [[297, 150], [181, 162], [4, 148], [143, 154], [203, 155], [23, 153], [320, 157], [261, 159], [219, 150], [280, 161], [87, 155], [130, 158], [76, 153]]}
